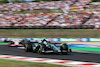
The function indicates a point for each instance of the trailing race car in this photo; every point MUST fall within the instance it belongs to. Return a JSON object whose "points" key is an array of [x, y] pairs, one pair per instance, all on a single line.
{"points": [[16, 42], [45, 46]]}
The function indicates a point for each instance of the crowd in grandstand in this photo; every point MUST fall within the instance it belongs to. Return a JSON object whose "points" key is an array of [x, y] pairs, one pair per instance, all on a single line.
{"points": [[70, 19], [26, 19], [34, 5], [75, 13]]}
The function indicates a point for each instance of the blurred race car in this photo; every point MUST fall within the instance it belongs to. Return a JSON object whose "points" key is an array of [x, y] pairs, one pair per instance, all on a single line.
{"points": [[45, 46], [16, 42]]}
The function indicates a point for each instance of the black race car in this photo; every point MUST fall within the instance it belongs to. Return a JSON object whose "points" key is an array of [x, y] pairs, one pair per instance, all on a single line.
{"points": [[45, 46]]}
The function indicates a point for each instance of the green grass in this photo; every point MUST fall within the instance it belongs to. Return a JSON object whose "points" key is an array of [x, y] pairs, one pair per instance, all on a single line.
{"points": [[96, 0], [3, 43], [86, 49], [12, 63], [50, 33], [37, 11]]}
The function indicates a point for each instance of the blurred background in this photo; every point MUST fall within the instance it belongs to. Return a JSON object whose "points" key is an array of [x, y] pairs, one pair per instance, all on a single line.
{"points": [[75, 22], [49, 18], [39, 14]]}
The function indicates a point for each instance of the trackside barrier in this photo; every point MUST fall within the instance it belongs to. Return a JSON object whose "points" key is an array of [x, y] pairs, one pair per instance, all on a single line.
{"points": [[83, 39], [94, 39], [2, 39], [71, 39], [68, 39], [59, 39]]}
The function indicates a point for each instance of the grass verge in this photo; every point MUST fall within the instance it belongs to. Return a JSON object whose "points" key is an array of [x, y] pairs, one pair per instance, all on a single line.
{"points": [[86, 49], [13, 63], [36, 11], [50, 33], [3, 43]]}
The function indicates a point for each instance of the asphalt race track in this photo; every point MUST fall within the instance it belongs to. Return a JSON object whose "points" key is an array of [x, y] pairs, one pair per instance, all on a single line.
{"points": [[75, 56]]}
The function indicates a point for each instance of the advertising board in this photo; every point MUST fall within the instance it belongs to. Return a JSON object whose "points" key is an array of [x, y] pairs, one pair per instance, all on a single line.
{"points": [[54, 39], [94, 39], [2, 39], [68, 39], [83, 39]]}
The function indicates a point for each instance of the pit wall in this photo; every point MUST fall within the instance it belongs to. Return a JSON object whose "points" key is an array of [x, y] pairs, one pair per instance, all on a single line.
{"points": [[60, 39]]}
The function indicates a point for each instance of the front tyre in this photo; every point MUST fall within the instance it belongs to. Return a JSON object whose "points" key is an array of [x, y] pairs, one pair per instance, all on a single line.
{"points": [[39, 49]]}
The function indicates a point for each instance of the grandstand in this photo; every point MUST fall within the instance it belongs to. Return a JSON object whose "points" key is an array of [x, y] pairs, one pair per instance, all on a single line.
{"points": [[82, 14]]}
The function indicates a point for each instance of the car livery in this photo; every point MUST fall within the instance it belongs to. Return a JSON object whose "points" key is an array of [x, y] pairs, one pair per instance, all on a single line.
{"points": [[44, 46], [16, 42]]}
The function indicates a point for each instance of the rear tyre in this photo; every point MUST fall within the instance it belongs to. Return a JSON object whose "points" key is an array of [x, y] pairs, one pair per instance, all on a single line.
{"points": [[28, 48], [70, 50], [64, 47]]}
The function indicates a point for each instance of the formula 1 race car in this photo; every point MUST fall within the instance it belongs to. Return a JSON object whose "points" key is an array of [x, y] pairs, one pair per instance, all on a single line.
{"points": [[16, 42], [45, 46]]}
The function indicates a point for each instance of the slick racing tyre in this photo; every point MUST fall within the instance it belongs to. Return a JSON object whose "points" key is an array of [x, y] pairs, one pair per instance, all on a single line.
{"points": [[39, 49], [64, 48], [28, 48], [70, 50]]}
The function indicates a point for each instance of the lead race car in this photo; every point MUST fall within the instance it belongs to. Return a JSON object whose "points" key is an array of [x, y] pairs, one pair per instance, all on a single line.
{"points": [[44, 46]]}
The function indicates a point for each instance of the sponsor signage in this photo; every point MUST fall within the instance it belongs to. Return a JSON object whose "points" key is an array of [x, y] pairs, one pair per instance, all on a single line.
{"points": [[94, 39], [54, 39], [16, 38], [61, 39], [2, 39], [29, 38], [40, 38], [82, 45], [68, 39], [83, 39]]}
